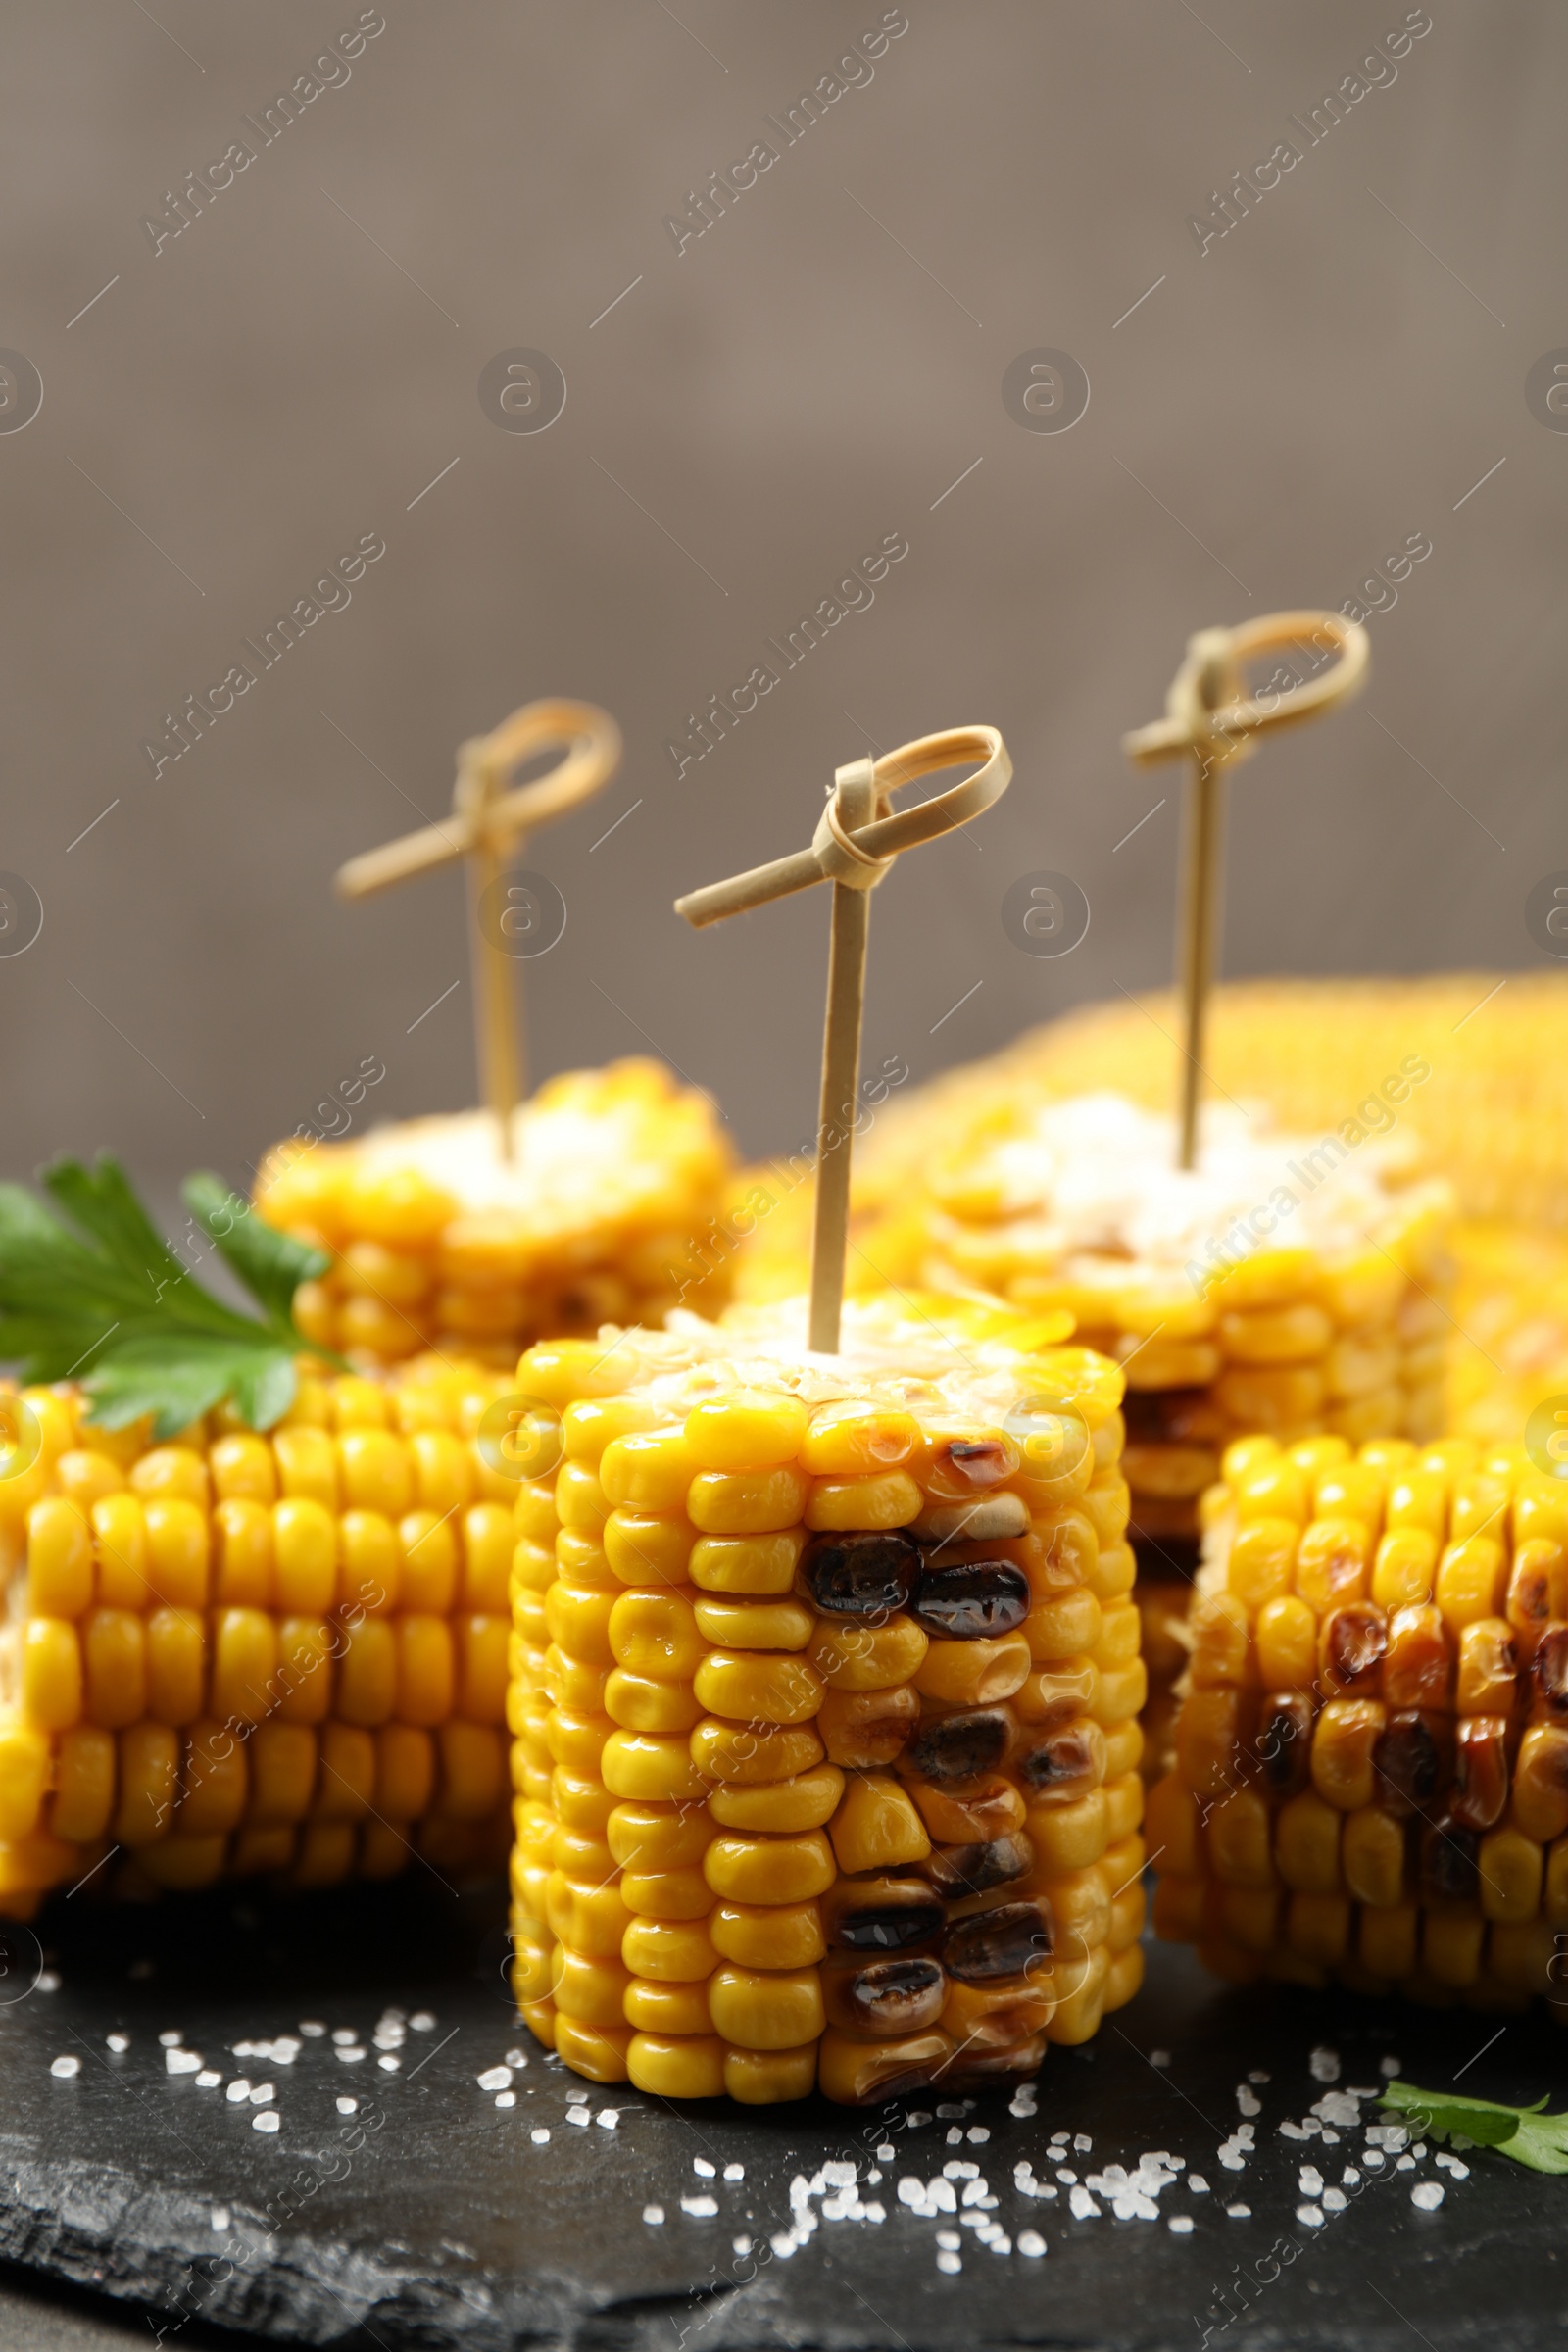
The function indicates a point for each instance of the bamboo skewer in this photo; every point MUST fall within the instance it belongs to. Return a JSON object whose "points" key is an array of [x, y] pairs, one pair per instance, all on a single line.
{"points": [[487, 828], [1211, 722], [854, 847]]}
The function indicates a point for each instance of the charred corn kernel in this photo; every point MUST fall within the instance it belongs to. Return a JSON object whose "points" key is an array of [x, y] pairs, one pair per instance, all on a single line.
{"points": [[1487, 1680]]}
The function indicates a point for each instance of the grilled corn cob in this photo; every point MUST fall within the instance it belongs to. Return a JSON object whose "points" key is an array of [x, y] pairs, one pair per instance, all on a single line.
{"points": [[1372, 1751], [824, 1698], [438, 1242], [236, 1654], [1493, 1114]]}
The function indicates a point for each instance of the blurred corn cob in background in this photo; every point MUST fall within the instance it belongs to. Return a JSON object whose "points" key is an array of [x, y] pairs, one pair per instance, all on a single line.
{"points": [[1371, 1777], [824, 1697], [236, 1654], [438, 1242]]}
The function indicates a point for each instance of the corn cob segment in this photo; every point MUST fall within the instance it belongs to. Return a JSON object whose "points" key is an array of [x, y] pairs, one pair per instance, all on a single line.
{"points": [[439, 1241], [236, 1654], [825, 1701], [1371, 1777]]}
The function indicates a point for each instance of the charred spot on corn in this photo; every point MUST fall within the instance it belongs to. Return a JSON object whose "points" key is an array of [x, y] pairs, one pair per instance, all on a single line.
{"points": [[862, 1576], [971, 1600]]}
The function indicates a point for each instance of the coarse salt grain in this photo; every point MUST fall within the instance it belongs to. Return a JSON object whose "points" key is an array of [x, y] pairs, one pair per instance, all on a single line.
{"points": [[1247, 2101], [1325, 2064], [351, 2057], [220, 2218], [183, 2062], [344, 2035], [955, 2136], [1389, 2065], [541, 2134], [652, 2214], [1084, 2208], [312, 2027], [1428, 2194], [701, 2209], [422, 2021], [268, 2120], [700, 2166], [1240, 2213], [209, 2079], [505, 2098], [1031, 2244], [1310, 2180], [1335, 2201], [118, 2043], [172, 2039], [264, 2094], [1198, 2185], [518, 2058], [1180, 2224], [949, 2262], [737, 2171], [1259, 2075], [1310, 2215], [978, 2136], [64, 2068], [389, 2064], [608, 2119], [578, 2114], [495, 2077]]}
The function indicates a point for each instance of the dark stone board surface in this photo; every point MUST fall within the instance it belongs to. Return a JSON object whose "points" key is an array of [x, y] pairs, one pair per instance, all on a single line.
{"points": [[432, 2217]]}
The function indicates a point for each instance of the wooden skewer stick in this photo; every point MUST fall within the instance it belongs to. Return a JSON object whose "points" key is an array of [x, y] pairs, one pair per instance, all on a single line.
{"points": [[853, 847], [487, 828], [1212, 720]]}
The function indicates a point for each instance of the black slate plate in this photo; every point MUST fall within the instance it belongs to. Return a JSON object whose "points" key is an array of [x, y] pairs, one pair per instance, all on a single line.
{"points": [[446, 2225]]}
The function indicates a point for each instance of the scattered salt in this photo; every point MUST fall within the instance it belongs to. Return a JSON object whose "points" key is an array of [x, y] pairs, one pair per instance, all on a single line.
{"points": [[701, 2165], [1240, 2213], [608, 2119], [182, 2062], [1389, 2065], [312, 2027], [268, 2120], [171, 2039], [422, 2021], [539, 2137], [264, 2094], [978, 2134], [1428, 2194], [348, 2106], [1335, 2201], [209, 2079], [495, 2077], [949, 2264], [1031, 2244], [701, 2209], [1180, 2224], [1084, 2208], [1198, 2185], [1325, 2064], [737, 2171], [652, 2214], [64, 2068], [1312, 2215], [505, 2098], [118, 2043], [578, 2114], [220, 2218], [1247, 2101]]}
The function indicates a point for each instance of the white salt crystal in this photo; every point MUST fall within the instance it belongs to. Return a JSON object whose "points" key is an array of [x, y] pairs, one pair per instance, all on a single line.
{"points": [[1031, 2244], [268, 2120], [182, 2062], [1428, 2194], [64, 2068], [1181, 2224], [1325, 2064], [652, 2214]]}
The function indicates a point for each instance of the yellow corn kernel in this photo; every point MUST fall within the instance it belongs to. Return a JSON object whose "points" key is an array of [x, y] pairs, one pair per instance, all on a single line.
{"points": [[1470, 1581], [1511, 1867], [533, 1509], [748, 1503], [1106, 1505], [1541, 1783], [762, 1564], [216, 1780], [172, 1470], [1270, 1396], [579, 1498], [120, 1553], [307, 1464], [746, 1428], [1173, 1825], [804, 1801], [1112, 1573], [86, 1477], [1332, 1563], [369, 1556], [648, 1471], [890, 1498], [1386, 1941], [304, 1681], [786, 1935], [176, 1665], [1262, 1560], [1372, 1854], [178, 1548], [759, 1689], [149, 1784], [443, 1472], [1120, 1632], [577, 1740], [366, 1673], [853, 2071], [85, 1784], [638, 1703], [376, 1472], [52, 1673], [1307, 1844], [430, 1562], [749, 1755], [59, 1558], [657, 1836], [1351, 1491], [244, 1664], [579, 1623], [655, 1634], [283, 1764], [1209, 1741], [1221, 1641], [872, 1657], [488, 1545], [747, 1625], [1180, 1909], [305, 1553], [1405, 1567], [1282, 1334], [1239, 1851], [243, 1565], [648, 1766], [766, 2009], [974, 1673], [359, 1404], [673, 1951], [480, 1644], [744, 1869], [405, 1771], [1287, 1645], [851, 1439], [1069, 1836], [648, 1547], [115, 1657], [664, 2009], [426, 1670], [672, 2066], [1250, 1916], [591, 1423], [473, 1773], [24, 1762], [1066, 1627]]}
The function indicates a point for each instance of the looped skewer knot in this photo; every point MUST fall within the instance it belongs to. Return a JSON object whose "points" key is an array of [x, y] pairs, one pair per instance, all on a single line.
{"points": [[857, 855], [1208, 714]]}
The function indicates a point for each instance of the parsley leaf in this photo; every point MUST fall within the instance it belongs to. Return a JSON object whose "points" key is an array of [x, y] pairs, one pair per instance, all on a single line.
{"points": [[113, 1295], [1530, 2137]]}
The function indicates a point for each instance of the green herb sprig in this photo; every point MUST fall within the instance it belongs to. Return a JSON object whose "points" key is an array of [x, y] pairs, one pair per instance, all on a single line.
{"points": [[1522, 2133], [110, 1302]]}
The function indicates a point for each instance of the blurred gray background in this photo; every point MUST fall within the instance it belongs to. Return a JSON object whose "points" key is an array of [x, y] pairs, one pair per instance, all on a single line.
{"points": [[1270, 418]]}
